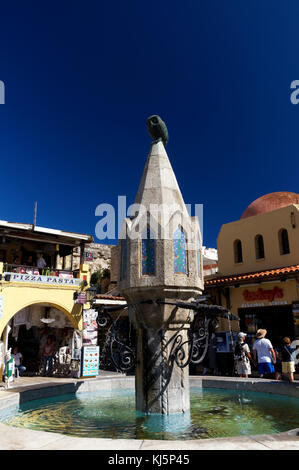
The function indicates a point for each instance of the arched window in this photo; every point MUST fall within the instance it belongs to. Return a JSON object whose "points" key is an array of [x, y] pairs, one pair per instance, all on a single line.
{"points": [[259, 247], [238, 251], [283, 239], [179, 252], [148, 258]]}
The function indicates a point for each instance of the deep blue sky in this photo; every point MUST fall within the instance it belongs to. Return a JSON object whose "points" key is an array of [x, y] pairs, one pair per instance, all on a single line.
{"points": [[82, 77]]}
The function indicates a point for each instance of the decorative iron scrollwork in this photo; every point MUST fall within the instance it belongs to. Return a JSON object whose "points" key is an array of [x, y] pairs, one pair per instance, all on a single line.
{"points": [[183, 352], [204, 324], [121, 355]]}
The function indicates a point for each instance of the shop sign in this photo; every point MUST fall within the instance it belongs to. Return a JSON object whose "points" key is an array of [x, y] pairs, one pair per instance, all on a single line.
{"points": [[249, 305], [279, 302], [90, 361], [38, 279], [88, 256], [263, 294], [81, 299]]}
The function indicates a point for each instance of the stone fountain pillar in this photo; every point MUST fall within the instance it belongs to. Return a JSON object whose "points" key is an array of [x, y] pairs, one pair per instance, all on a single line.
{"points": [[160, 263]]}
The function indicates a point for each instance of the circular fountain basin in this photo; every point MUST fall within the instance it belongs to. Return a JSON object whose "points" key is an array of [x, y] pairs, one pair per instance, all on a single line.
{"points": [[220, 408], [214, 413]]}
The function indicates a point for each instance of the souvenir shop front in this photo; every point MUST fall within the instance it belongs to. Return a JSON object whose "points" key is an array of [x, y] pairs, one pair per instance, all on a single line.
{"points": [[271, 305], [278, 320], [29, 330]]}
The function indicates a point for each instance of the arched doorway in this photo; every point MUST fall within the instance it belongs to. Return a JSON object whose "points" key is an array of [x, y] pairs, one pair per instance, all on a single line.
{"points": [[29, 329]]}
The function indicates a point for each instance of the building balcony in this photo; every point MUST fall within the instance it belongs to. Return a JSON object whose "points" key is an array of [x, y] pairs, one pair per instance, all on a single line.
{"points": [[46, 275]]}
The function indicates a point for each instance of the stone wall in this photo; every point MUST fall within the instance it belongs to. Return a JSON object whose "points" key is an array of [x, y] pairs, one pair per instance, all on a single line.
{"points": [[101, 256], [114, 264]]}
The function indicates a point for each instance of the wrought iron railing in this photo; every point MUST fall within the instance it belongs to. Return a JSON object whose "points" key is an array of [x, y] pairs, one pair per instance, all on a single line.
{"points": [[122, 355]]}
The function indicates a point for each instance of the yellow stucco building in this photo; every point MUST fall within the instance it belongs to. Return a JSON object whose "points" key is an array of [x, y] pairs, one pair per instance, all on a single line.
{"points": [[40, 292], [258, 267]]}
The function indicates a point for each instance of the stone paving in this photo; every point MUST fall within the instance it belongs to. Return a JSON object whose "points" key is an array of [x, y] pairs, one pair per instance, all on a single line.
{"points": [[30, 387]]}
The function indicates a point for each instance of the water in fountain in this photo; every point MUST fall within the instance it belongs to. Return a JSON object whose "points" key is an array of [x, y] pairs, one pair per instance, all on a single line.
{"points": [[214, 413]]}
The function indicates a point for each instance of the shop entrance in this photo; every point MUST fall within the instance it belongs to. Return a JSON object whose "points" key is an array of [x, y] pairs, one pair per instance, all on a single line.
{"points": [[29, 330], [277, 320]]}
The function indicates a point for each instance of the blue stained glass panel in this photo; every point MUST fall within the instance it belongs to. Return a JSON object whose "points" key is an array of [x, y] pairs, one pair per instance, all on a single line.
{"points": [[179, 252], [148, 255]]}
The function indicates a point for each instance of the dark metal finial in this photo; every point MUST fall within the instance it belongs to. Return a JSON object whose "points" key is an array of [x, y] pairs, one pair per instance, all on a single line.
{"points": [[157, 128]]}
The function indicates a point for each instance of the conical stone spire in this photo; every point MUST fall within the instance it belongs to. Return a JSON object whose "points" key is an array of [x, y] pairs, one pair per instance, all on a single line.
{"points": [[158, 184]]}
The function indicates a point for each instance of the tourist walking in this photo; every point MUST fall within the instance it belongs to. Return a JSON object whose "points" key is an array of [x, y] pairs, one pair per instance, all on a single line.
{"points": [[287, 359], [242, 356], [264, 354]]}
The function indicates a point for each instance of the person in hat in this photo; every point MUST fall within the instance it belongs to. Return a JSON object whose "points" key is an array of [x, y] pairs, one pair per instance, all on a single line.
{"points": [[264, 352], [242, 356]]}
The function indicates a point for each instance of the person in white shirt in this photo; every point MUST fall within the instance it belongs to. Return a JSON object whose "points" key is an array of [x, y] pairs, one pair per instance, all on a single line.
{"points": [[18, 358], [264, 352], [41, 263]]}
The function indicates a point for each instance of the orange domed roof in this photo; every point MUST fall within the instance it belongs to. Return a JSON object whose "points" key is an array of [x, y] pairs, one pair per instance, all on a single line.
{"points": [[271, 202]]}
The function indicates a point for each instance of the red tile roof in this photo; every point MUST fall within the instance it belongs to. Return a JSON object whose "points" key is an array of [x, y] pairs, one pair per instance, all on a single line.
{"points": [[210, 266], [109, 297], [261, 275]]}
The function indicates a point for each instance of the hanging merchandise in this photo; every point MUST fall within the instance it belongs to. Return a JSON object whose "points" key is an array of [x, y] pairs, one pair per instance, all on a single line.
{"points": [[21, 317], [90, 327], [15, 332], [77, 339], [75, 366]]}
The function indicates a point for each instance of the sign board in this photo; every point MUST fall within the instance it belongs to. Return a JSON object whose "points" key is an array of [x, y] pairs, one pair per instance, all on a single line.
{"points": [[88, 256], [222, 345], [90, 361], [263, 294], [262, 304], [39, 279], [224, 341], [81, 299]]}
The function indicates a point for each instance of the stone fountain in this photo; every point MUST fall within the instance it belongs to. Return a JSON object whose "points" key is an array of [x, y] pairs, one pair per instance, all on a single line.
{"points": [[160, 266]]}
